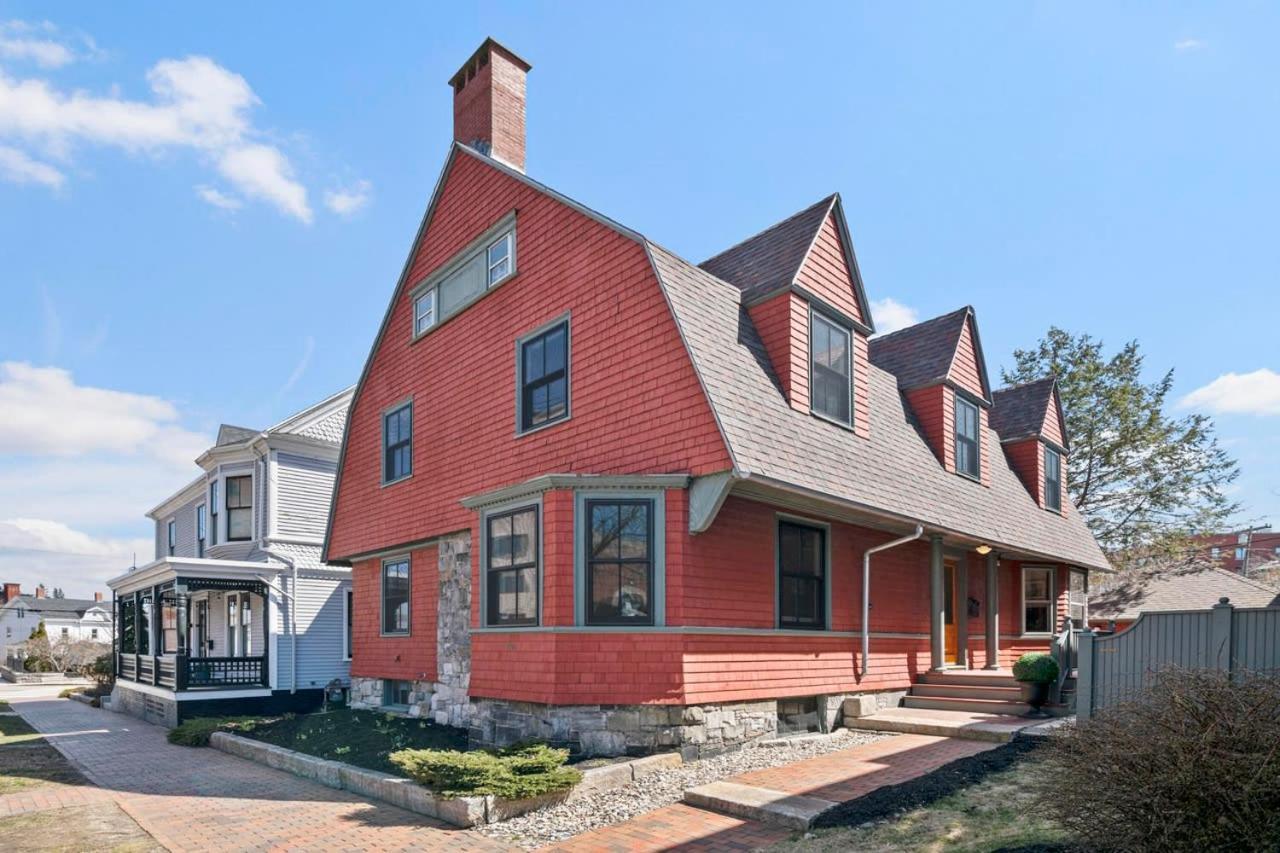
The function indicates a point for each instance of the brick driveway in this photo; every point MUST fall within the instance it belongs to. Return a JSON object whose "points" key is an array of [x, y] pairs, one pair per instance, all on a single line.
{"points": [[202, 799]]}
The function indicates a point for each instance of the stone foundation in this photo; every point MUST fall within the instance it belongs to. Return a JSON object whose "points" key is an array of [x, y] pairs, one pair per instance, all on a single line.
{"points": [[144, 706]]}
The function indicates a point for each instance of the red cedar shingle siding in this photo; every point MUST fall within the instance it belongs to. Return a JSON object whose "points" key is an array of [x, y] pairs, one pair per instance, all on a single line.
{"points": [[1053, 429], [408, 658], [462, 374], [965, 371], [772, 319], [1026, 457], [934, 410], [826, 273]]}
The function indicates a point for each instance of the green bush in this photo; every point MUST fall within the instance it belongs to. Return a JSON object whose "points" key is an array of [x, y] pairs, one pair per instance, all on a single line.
{"points": [[196, 731], [68, 692], [1036, 667], [513, 773]]}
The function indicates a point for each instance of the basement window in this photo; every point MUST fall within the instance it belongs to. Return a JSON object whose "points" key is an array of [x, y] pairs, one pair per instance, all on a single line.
{"points": [[797, 716]]}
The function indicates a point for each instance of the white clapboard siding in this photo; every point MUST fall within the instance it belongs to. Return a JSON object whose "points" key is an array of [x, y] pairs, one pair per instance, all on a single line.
{"points": [[321, 639], [304, 488], [185, 517]]}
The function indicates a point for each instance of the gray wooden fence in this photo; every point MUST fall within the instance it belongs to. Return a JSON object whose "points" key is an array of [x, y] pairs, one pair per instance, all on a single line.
{"points": [[1114, 668]]}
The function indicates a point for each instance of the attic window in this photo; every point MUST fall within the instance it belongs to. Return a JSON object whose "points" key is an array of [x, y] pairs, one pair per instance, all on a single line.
{"points": [[1052, 479], [967, 421], [483, 265], [830, 370]]}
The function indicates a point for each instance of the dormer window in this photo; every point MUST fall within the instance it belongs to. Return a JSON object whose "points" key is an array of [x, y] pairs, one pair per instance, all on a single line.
{"points": [[486, 263], [830, 369], [1052, 480], [967, 446]]}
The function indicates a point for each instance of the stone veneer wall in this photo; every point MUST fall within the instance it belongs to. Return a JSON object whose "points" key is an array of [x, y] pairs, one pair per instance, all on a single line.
{"points": [[144, 706], [449, 701]]}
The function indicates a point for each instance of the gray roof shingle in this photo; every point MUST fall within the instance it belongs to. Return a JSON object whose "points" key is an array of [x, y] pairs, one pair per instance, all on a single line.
{"points": [[894, 471], [771, 259], [1193, 589], [50, 605]]}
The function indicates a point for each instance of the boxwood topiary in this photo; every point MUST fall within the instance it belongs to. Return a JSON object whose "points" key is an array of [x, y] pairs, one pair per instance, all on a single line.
{"points": [[1036, 667]]}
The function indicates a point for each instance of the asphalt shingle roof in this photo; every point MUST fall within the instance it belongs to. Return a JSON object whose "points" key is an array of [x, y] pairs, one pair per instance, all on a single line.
{"points": [[772, 258], [1194, 589], [921, 355], [1019, 412], [894, 471], [70, 606]]}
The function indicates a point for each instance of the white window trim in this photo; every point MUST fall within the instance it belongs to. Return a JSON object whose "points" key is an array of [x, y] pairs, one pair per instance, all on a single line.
{"points": [[1085, 619], [417, 314], [658, 595], [171, 536], [504, 228], [407, 559], [1053, 598], [253, 507], [196, 528]]}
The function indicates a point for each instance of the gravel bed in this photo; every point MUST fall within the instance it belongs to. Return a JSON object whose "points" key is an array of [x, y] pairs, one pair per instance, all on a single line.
{"points": [[658, 789]]}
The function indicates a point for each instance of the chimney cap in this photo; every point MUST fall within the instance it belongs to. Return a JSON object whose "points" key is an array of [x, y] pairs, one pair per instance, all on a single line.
{"points": [[485, 47]]}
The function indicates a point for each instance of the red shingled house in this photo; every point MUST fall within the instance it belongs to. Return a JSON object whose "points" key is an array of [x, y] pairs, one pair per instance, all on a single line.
{"points": [[595, 493]]}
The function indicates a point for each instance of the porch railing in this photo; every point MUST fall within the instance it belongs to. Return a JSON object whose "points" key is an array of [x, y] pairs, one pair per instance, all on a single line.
{"points": [[182, 672], [1064, 654]]}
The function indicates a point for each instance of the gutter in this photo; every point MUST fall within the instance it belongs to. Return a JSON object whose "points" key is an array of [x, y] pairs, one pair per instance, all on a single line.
{"points": [[293, 611], [866, 589]]}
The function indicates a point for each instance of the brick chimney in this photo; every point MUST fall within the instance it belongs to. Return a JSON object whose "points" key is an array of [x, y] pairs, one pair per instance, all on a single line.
{"points": [[488, 103], [97, 596], [11, 591], [40, 593]]}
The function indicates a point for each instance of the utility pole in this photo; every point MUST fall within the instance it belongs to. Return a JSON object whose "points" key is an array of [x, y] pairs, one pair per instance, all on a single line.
{"points": [[1248, 546]]}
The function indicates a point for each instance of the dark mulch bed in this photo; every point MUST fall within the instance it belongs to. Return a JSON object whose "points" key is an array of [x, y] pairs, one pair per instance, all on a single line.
{"points": [[921, 791], [362, 738]]}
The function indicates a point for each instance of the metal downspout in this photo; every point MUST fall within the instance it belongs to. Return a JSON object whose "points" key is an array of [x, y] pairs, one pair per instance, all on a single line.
{"points": [[866, 589]]}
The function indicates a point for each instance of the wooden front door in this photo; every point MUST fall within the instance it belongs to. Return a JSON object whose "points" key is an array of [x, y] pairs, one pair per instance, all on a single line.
{"points": [[950, 612]]}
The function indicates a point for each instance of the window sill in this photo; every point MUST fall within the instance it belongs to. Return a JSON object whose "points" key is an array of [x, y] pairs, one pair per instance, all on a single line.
{"points": [[393, 635], [833, 421], [540, 427], [461, 309], [386, 483], [973, 478]]}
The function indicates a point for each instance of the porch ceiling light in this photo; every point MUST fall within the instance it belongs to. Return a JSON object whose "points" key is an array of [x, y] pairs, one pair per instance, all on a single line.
{"points": [[984, 550]]}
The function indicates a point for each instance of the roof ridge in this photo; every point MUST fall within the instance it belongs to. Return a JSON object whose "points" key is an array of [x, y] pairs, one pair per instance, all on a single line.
{"points": [[1246, 579], [966, 309], [350, 389], [828, 201], [1023, 385]]}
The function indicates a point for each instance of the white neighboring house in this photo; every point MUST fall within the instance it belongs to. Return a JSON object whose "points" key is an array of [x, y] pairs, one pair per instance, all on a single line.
{"points": [[237, 614], [71, 619]]}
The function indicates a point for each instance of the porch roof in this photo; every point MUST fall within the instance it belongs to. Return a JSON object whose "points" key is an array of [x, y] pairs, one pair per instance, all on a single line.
{"points": [[178, 568]]}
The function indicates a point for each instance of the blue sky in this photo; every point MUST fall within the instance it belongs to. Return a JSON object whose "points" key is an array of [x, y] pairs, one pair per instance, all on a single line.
{"points": [[204, 211]]}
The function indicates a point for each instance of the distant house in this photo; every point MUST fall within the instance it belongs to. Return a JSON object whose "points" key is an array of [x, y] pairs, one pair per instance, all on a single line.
{"points": [[1242, 552], [71, 619], [1128, 597], [237, 613]]}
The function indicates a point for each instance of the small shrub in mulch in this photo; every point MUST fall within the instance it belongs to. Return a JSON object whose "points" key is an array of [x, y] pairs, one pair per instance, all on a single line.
{"points": [[517, 772], [1193, 763], [197, 731]]}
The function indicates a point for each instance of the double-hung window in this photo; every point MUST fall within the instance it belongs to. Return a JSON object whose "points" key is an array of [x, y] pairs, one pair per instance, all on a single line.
{"points": [[239, 508], [397, 443], [395, 596], [619, 562], [967, 421], [486, 263], [1078, 597], [201, 530], [511, 567], [831, 361], [348, 617], [213, 512], [802, 575], [1037, 600], [173, 537], [1052, 479], [544, 377]]}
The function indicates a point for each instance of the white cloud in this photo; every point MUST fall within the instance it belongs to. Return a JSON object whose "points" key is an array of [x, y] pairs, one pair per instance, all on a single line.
{"points": [[40, 43], [217, 198], [1256, 393], [17, 167], [47, 413], [36, 550], [349, 200], [1183, 45], [196, 104], [891, 315], [308, 349]]}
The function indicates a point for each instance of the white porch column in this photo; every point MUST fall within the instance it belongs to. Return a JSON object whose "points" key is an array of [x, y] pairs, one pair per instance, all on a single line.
{"points": [[993, 611], [937, 605]]}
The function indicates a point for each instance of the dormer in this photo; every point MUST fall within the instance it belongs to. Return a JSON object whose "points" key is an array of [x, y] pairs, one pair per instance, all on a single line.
{"points": [[943, 376], [801, 287], [1029, 420]]}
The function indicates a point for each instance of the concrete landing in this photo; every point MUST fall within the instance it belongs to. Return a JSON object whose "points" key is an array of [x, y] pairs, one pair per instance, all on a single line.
{"points": [[766, 805], [995, 728]]}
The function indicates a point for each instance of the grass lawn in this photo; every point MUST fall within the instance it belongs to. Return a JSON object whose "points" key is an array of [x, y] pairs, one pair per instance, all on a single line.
{"points": [[994, 814], [16, 730], [98, 827], [32, 764], [362, 738]]}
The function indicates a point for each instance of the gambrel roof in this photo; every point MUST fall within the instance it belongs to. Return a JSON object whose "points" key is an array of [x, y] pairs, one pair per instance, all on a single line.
{"points": [[893, 474]]}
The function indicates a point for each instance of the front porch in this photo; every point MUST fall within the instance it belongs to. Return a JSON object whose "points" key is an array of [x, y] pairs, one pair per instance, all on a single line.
{"points": [[196, 625]]}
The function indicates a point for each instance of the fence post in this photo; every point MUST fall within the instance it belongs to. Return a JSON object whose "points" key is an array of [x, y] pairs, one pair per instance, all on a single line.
{"points": [[1084, 676], [1220, 635]]}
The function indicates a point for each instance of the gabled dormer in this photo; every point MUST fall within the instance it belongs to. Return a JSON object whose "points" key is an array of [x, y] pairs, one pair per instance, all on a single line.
{"points": [[943, 376], [1029, 420], [801, 287]]}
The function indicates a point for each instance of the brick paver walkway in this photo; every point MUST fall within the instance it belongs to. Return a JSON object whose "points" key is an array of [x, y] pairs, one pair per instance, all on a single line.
{"points": [[202, 799], [674, 827], [858, 770]]}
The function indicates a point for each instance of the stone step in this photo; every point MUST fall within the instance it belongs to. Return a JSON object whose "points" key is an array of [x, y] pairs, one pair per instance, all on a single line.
{"points": [[792, 811], [995, 728], [967, 691], [976, 706], [985, 678]]}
